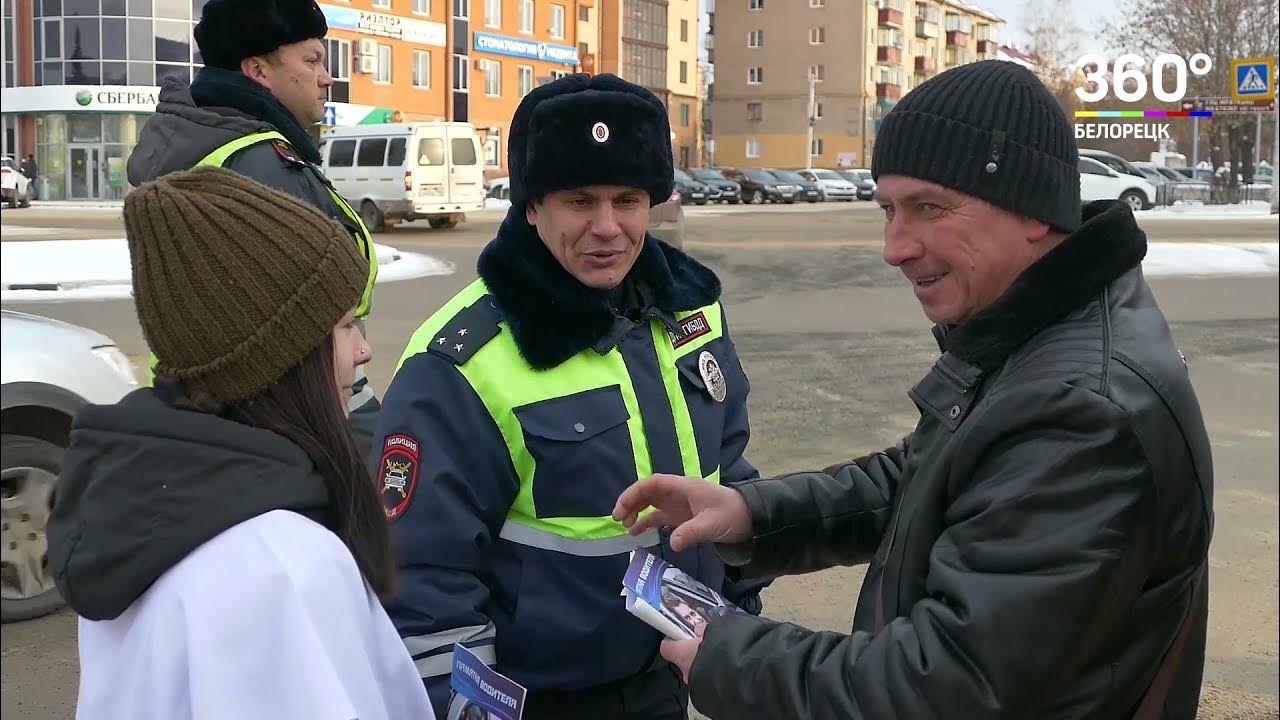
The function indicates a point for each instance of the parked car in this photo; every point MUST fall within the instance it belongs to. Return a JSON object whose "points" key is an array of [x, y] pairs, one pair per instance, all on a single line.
{"points": [[759, 186], [666, 221], [691, 191], [15, 188], [807, 190], [730, 191], [498, 188], [861, 178], [1099, 182], [50, 370], [1171, 186], [1201, 174], [1113, 161], [831, 184], [400, 172]]}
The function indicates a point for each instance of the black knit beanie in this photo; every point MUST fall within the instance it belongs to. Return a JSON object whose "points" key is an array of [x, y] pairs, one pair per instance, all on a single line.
{"points": [[586, 130], [235, 282], [989, 129]]}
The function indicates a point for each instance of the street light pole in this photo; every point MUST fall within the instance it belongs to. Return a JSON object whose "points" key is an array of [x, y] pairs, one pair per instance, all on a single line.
{"points": [[808, 150]]}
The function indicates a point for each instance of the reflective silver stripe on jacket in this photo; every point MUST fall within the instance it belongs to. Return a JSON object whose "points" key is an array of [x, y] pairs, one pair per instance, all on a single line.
{"points": [[439, 661], [525, 535]]}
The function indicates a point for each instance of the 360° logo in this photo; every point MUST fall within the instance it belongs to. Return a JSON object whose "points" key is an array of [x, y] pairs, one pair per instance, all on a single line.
{"points": [[1131, 83]]}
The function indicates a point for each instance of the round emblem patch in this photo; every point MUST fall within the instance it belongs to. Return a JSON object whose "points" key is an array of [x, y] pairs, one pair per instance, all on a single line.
{"points": [[712, 377], [600, 132]]}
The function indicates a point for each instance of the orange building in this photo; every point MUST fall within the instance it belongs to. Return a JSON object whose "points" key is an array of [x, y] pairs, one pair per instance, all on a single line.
{"points": [[504, 49], [389, 60]]}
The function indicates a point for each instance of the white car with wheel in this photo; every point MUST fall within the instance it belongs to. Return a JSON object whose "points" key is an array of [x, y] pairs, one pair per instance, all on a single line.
{"points": [[15, 188], [50, 370], [1099, 182]]}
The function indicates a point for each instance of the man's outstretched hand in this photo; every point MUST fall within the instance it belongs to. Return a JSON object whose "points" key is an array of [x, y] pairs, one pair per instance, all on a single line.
{"points": [[697, 510]]}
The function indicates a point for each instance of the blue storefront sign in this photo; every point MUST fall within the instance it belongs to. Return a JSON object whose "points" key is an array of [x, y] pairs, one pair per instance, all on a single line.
{"points": [[523, 48]]}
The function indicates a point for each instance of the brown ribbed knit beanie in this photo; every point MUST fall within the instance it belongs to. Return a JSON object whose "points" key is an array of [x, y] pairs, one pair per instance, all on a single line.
{"points": [[235, 282]]}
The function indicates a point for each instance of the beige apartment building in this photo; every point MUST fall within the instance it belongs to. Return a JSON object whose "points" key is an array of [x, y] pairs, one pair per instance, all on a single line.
{"points": [[862, 56]]}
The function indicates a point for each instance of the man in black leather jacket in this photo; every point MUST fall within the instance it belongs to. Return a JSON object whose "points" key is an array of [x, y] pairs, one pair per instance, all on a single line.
{"points": [[1037, 545]]}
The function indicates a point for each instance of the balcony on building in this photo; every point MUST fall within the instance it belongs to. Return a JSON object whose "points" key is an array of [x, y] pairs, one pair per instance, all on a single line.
{"points": [[928, 18], [892, 13], [988, 41], [959, 27], [889, 46], [889, 83], [926, 65]]}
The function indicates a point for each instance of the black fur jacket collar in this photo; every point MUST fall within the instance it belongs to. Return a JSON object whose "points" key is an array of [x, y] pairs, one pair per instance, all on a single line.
{"points": [[1107, 245], [552, 316]]}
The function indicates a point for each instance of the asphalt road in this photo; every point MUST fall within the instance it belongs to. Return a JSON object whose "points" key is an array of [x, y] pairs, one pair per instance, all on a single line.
{"points": [[832, 339]]}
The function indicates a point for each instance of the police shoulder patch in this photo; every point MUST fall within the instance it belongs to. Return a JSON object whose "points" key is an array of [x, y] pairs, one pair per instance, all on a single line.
{"points": [[468, 331], [288, 154], [398, 473]]}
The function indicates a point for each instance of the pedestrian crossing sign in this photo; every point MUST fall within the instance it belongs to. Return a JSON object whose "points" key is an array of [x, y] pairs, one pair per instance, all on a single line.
{"points": [[1254, 79]]}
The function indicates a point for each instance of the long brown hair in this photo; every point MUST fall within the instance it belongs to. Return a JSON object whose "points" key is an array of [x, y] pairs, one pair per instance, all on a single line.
{"points": [[305, 407]]}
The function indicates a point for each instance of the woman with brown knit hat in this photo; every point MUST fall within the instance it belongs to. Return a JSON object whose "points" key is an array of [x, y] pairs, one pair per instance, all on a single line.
{"points": [[219, 534]]}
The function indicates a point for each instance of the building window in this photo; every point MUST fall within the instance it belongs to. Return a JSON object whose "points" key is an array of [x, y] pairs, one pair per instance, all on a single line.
{"points": [[461, 72], [557, 22], [755, 75], [493, 151], [526, 16], [817, 111], [817, 3], [755, 4], [960, 23], [755, 39], [557, 74], [383, 75], [753, 148], [684, 31], [493, 13], [339, 54], [492, 78], [644, 64], [584, 13], [815, 147], [526, 79], [755, 111], [927, 13], [818, 72], [817, 35], [422, 7], [462, 9], [421, 69], [684, 114], [382, 3], [684, 71]]}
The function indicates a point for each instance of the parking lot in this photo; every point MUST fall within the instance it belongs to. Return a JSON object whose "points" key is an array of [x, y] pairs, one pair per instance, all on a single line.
{"points": [[832, 339]]}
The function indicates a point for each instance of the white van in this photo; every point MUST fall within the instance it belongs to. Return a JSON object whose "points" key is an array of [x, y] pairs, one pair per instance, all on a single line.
{"points": [[406, 171]]}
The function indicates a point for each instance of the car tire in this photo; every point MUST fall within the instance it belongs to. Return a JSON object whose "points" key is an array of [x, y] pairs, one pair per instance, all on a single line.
{"points": [[31, 470], [1134, 199], [372, 217], [757, 197]]}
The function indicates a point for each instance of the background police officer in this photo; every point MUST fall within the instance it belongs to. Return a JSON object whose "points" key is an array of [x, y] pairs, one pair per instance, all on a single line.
{"points": [[265, 81], [587, 354]]}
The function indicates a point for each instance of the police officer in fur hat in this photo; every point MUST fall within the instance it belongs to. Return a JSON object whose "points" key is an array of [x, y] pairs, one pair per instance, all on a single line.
{"points": [[250, 109], [586, 355]]}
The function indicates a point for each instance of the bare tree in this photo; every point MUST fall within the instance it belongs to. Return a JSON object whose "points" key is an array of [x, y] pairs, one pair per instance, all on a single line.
{"points": [[1224, 30], [1052, 38]]}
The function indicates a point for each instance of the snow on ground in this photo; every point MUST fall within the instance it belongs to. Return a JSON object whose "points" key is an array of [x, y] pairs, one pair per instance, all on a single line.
{"points": [[64, 270], [1211, 259]]}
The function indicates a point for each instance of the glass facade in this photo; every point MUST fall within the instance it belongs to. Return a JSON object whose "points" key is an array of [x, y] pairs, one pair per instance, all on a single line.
{"points": [[82, 156], [114, 42]]}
